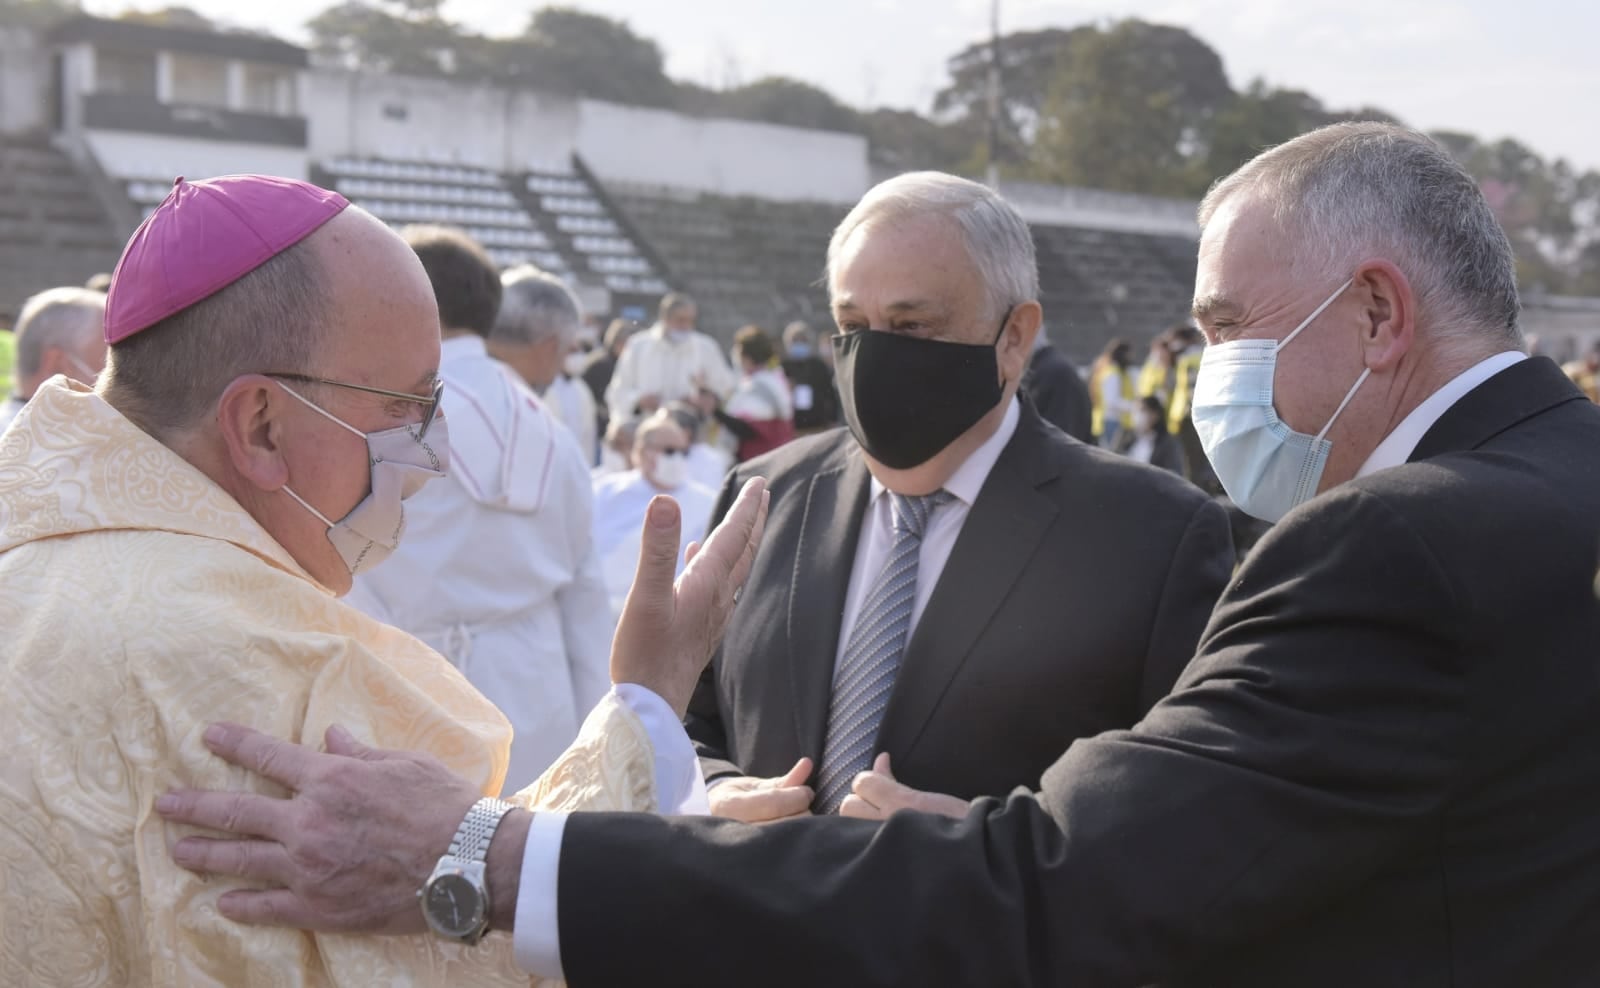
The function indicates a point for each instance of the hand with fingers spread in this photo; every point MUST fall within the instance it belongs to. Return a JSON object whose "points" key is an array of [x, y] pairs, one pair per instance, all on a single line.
{"points": [[351, 846], [753, 800], [876, 794], [668, 630]]}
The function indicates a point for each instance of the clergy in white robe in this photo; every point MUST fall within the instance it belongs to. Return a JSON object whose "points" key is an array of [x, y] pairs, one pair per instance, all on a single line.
{"points": [[497, 571], [620, 499], [670, 361]]}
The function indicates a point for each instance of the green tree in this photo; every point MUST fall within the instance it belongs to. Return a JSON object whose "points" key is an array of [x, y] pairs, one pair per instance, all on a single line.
{"points": [[787, 101], [1028, 64], [1129, 108], [1252, 121], [179, 17], [35, 13], [904, 141], [569, 51], [405, 36]]}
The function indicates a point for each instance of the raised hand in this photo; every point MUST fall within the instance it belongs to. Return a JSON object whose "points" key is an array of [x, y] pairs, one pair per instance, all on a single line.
{"points": [[668, 631]]}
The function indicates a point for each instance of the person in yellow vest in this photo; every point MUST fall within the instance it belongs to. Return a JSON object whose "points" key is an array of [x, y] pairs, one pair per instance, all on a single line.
{"points": [[1155, 377], [1111, 390], [8, 350], [1188, 347], [1585, 372]]}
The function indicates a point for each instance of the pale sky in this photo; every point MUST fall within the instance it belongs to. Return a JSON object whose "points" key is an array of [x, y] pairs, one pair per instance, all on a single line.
{"points": [[1525, 69]]}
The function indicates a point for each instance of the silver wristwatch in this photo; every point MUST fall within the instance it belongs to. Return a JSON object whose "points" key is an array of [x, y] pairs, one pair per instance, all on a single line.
{"points": [[455, 898]]}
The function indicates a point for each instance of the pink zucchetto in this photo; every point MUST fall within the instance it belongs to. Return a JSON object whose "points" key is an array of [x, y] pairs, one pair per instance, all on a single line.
{"points": [[205, 236]]}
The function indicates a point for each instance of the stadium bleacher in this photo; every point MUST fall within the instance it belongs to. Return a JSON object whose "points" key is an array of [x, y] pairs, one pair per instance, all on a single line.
{"points": [[1097, 284], [52, 230], [474, 199], [744, 260]]}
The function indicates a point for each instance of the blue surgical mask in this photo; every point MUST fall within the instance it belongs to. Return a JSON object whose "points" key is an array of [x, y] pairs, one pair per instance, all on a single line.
{"points": [[1266, 467], [800, 351]]}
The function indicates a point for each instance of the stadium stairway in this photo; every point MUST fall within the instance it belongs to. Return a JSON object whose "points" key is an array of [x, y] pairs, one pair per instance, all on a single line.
{"points": [[53, 231]]}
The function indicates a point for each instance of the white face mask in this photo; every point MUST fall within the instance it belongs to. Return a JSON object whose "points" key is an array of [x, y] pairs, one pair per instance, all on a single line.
{"points": [[672, 469], [402, 462], [1266, 467], [575, 363]]}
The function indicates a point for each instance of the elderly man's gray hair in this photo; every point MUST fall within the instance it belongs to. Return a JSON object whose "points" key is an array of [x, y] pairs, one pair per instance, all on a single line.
{"points": [[1352, 191], [165, 379], [63, 318], [996, 236], [535, 307]]}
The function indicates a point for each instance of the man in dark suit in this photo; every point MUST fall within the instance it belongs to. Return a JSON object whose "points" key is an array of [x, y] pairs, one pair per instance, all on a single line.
{"points": [[816, 403], [1056, 593], [1382, 768], [1057, 390]]}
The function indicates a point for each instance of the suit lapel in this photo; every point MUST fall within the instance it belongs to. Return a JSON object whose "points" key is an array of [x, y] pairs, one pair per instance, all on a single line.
{"points": [[824, 556], [1514, 395], [1002, 531]]}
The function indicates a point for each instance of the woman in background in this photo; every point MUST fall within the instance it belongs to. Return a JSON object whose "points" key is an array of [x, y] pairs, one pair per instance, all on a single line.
{"points": [[1149, 441]]}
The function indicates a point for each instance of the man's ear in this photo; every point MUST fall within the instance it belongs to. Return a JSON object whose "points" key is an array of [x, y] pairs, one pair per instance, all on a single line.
{"points": [[1017, 337], [249, 420], [1388, 315]]}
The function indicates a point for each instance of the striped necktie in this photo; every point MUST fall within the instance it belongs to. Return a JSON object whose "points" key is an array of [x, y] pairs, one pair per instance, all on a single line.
{"points": [[866, 672]]}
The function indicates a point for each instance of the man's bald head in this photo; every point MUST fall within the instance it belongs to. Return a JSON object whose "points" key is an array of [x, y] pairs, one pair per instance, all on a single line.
{"points": [[277, 318], [60, 331]]}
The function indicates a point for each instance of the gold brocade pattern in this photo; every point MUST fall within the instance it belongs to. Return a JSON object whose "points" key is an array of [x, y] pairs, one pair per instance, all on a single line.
{"points": [[139, 603]]}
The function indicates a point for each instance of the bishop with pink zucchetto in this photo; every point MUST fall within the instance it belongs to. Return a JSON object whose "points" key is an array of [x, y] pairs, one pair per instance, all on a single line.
{"points": [[173, 547]]}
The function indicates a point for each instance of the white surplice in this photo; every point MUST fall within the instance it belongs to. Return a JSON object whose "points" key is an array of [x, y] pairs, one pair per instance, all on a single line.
{"points": [[497, 570]]}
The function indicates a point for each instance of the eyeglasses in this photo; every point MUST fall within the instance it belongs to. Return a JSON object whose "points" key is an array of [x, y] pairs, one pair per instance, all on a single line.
{"points": [[430, 404]]}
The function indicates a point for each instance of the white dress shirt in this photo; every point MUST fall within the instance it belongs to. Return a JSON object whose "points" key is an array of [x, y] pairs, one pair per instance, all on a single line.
{"points": [[497, 571], [654, 362], [1398, 445], [877, 531], [679, 780]]}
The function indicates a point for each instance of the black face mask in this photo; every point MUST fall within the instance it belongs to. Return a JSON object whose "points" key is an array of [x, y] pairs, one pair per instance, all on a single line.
{"points": [[906, 399]]}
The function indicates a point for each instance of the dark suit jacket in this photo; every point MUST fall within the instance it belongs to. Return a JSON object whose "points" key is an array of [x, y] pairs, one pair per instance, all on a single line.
{"points": [[1061, 396], [1072, 599], [1382, 769], [812, 373]]}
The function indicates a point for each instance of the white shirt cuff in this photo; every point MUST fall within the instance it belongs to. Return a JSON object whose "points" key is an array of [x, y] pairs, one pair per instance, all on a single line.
{"points": [[680, 788], [537, 937], [680, 785]]}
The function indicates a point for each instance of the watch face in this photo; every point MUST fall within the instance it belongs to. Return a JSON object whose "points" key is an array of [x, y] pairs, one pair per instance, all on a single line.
{"points": [[454, 905]]}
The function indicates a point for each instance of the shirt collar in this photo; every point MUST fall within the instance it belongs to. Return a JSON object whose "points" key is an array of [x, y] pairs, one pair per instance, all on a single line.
{"points": [[1399, 444], [465, 345], [969, 477]]}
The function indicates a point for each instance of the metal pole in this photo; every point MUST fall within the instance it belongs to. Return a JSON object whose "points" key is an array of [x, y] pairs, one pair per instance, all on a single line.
{"points": [[993, 172]]}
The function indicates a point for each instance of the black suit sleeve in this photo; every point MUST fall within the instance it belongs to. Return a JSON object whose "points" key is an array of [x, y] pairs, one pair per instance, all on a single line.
{"points": [[1314, 738], [703, 721], [1201, 567]]}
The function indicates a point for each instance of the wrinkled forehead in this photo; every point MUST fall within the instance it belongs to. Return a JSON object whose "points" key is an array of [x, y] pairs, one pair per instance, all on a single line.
{"points": [[1244, 254], [920, 256]]}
